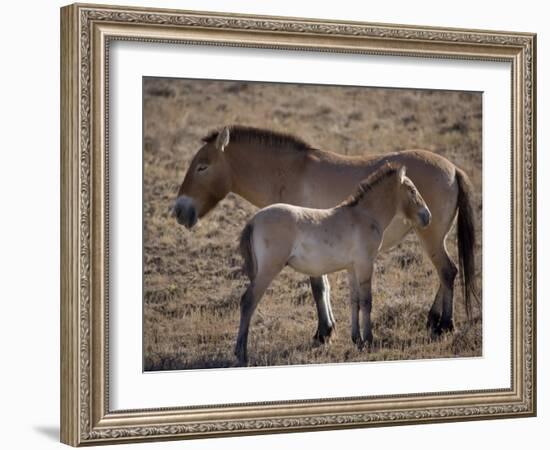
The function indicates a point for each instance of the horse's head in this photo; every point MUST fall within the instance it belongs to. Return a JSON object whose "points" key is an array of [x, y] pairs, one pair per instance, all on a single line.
{"points": [[206, 182], [410, 203]]}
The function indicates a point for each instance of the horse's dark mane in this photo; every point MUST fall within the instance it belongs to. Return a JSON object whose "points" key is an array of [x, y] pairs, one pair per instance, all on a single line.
{"points": [[269, 138], [365, 186]]}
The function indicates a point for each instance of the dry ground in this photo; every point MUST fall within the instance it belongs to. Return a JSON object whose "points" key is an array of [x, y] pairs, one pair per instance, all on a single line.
{"points": [[193, 279]]}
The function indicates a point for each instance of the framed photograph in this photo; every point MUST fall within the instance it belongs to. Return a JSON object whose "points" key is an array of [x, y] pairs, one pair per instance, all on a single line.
{"points": [[276, 224]]}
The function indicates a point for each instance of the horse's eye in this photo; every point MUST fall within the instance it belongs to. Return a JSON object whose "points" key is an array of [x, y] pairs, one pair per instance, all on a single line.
{"points": [[202, 167]]}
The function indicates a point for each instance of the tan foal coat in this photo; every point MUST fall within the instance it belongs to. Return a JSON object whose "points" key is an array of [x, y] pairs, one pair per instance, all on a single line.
{"points": [[321, 241]]}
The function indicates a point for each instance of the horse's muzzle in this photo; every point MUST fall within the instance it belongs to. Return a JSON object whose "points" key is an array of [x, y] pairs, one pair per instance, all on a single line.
{"points": [[185, 212]]}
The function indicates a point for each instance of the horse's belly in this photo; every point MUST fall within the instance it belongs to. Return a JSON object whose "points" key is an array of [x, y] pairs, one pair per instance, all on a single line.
{"points": [[316, 260], [314, 268]]}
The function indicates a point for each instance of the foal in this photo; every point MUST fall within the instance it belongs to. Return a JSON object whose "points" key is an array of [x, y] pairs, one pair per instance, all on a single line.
{"points": [[320, 241]]}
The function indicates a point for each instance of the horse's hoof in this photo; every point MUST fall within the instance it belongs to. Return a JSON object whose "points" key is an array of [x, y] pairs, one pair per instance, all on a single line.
{"points": [[440, 330], [323, 337], [357, 341], [433, 321], [242, 358], [321, 340], [369, 339], [435, 333], [242, 362], [447, 326]]}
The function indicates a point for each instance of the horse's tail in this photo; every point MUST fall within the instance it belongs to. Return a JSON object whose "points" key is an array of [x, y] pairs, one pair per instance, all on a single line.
{"points": [[466, 240], [247, 253]]}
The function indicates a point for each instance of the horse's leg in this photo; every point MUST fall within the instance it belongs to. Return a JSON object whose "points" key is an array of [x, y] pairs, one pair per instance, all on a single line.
{"points": [[447, 271], [434, 316], [321, 294], [327, 301], [440, 317], [364, 287], [249, 302], [354, 301], [442, 201]]}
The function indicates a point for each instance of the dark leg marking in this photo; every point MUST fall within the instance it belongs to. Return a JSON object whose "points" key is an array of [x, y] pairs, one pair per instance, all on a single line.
{"points": [[366, 307], [448, 275], [325, 325], [248, 305], [434, 316], [442, 322]]}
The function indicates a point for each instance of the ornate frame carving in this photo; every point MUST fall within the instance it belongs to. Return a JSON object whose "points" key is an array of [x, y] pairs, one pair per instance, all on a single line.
{"points": [[86, 31]]}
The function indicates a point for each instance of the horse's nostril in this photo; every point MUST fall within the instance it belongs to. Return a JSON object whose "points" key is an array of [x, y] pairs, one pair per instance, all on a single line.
{"points": [[423, 218], [426, 217], [179, 214]]}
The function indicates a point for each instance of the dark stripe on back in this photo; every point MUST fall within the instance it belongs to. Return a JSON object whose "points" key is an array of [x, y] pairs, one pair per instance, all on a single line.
{"points": [[387, 170], [268, 138]]}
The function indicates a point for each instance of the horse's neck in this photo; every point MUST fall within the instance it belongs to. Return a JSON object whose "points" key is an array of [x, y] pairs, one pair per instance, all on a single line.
{"points": [[263, 176], [331, 178], [380, 203]]}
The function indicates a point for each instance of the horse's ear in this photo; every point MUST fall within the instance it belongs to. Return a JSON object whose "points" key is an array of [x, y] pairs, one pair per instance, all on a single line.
{"points": [[402, 174], [223, 139]]}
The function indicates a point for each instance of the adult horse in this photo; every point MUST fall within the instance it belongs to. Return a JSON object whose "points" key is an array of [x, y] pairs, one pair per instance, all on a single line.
{"points": [[266, 167]]}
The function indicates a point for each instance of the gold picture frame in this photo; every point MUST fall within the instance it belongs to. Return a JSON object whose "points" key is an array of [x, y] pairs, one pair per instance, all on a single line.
{"points": [[86, 32]]}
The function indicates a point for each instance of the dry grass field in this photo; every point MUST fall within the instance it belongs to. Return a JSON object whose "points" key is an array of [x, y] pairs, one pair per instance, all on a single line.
{"points": [[193, 279]]}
